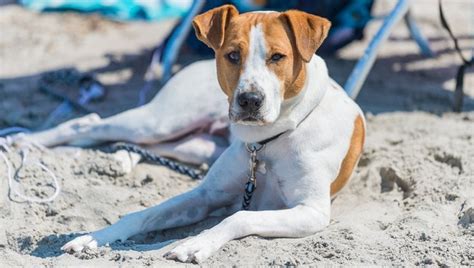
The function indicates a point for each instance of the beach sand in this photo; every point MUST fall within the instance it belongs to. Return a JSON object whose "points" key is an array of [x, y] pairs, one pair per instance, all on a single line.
{"points": [[410, 201]]}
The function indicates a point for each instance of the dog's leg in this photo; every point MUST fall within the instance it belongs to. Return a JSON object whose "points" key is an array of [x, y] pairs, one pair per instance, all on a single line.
{"points": [[308, 212], [220, 188], [127, 160], [194, 149], [134, 125], [181, 210], [299, 221], [61, 134], [175, 111], [143, 125], [91, 129]]}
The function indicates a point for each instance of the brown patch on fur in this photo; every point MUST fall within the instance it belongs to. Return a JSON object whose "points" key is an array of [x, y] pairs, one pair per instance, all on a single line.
{"points": [[291, 70], [352, 156], [210, 26], [309, 30]]}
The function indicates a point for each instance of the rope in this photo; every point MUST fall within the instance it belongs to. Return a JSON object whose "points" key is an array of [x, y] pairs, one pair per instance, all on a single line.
{"points": [[4, 143], [195, 174], [249, 189], [459, 89], [147, 155]]}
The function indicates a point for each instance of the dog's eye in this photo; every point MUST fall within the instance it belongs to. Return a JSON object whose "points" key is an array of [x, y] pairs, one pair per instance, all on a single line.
{"points": [[277, 57], [234, 57]]}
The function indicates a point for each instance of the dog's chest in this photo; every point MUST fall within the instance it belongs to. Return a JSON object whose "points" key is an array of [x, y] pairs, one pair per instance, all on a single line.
{"points": [[269, 194]]}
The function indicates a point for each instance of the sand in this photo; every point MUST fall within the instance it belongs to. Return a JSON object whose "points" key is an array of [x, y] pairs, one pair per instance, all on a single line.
{"points": [[410, 202]]}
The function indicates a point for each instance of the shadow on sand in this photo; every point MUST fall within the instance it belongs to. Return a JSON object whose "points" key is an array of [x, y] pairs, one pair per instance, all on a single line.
{"points": [[50, 246]]}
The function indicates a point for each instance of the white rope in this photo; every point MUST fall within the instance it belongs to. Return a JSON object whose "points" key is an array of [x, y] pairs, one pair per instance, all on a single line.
{"points": [[4, 143]]}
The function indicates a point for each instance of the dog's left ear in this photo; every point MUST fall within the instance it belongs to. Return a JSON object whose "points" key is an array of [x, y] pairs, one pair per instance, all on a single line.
{"points": [[210, 26], [309, 31]]}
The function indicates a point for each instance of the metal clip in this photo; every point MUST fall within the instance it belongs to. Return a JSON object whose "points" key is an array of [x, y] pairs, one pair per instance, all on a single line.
{"points": [[253, 149]]}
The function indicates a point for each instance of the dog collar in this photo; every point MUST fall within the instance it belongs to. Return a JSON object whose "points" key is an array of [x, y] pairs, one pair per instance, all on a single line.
{"points": [[265, 141]]}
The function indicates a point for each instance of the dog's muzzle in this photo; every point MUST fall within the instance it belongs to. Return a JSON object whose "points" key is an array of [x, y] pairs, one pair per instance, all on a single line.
{"points": [[249, 106]]}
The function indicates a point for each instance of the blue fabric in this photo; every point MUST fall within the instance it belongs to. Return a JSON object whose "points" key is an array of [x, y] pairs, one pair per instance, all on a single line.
{"points": [[116, 9]]}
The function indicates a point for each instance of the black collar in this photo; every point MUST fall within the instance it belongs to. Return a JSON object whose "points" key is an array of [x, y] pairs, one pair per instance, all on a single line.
{"points": [[265, 141]]}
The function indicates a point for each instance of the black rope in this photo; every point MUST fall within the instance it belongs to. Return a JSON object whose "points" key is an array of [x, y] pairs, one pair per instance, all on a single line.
{"points": [[249, 189], [195, 174], [459, 90]]}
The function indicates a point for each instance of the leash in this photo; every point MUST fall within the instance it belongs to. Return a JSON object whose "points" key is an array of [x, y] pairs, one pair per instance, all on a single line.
{"points": [[4, 148], [251, 184], [90, 89], [459, 90], [195, 174]]}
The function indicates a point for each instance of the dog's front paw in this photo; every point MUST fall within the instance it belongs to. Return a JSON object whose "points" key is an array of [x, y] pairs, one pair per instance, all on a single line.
{"points": [[80, 243], [196, 249]]}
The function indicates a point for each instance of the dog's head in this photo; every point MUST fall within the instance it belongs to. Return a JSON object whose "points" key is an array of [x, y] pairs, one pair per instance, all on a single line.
{"points": [[260, 57]]}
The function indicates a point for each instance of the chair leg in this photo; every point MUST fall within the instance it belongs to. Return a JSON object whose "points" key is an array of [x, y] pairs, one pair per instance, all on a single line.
{"points": [[170, 52], [364, 65], [416, 35]]}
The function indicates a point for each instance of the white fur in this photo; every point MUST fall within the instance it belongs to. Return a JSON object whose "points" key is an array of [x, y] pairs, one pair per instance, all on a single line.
{"points": [[293, 194], [256, 76]]}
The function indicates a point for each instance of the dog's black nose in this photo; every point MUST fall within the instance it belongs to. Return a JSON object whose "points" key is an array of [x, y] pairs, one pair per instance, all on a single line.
{"points": [[250, 101]]}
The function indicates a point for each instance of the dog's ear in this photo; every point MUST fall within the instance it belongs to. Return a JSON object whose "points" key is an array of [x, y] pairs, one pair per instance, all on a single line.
{"points": [[309, 31], [210, 26]]}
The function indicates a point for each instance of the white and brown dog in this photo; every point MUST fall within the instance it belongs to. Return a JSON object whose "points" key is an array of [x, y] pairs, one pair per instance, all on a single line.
{"points": [[277, 92]]}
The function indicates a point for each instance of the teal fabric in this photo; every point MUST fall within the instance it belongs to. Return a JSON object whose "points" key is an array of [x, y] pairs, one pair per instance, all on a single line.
{"points": [[116, 9]]}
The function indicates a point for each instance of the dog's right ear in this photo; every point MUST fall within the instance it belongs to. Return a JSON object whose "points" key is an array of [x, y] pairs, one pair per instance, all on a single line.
{"points": [[210, 26]]}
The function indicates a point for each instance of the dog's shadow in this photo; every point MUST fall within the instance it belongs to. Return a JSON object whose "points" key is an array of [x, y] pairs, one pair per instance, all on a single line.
{"points": [[50, 245]]}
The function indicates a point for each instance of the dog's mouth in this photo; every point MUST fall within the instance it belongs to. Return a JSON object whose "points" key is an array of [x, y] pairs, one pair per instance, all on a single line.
{"points": [[247, 119]]}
